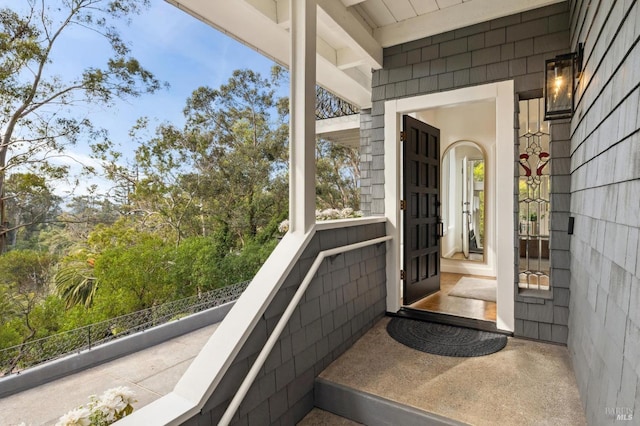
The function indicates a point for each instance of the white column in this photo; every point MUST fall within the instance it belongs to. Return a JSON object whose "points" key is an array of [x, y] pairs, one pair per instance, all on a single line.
{"points": [[302, 131]]}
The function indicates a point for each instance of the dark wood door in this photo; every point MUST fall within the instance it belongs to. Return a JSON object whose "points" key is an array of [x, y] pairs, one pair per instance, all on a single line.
{"points": [[422, 227]]}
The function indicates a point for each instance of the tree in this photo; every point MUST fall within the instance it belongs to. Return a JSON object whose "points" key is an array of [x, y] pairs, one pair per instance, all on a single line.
{"points": [[337, 176], [135, 277], [24, 284], [37, 119], [241, 135], [75, 280], [29, 203], [222, 174]]}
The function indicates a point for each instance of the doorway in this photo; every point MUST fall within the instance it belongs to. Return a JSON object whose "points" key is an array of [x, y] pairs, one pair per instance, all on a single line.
{"points": [[497, 244], [443, 217]]}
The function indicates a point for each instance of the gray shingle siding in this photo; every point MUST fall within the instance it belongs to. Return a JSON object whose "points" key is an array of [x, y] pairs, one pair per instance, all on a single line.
{"points": [[604, 320], [345, 298], [513, 47]]}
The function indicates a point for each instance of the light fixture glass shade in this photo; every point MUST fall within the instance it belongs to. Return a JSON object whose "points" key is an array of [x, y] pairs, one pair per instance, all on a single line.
{"points": [[558, 99]]}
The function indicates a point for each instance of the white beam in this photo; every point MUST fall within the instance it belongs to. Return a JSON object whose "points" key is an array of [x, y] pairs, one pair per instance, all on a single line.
{"points": [[266, 7], [282, 13], [349, 28], [451, 18], [302, 140], [342, 84], [347, 58], [324, 50], [348, 3]]}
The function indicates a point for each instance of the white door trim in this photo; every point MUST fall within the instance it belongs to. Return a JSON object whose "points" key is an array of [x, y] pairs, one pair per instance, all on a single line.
{"points": [[503, 95]]}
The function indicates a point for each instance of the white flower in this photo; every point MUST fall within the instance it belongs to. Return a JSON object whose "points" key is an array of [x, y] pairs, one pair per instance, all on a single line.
{"points": [[107, 409], [284, 226], [127, 395], [112, 405], [329, 214], [77, 417], [113, 402], [346, 212]]}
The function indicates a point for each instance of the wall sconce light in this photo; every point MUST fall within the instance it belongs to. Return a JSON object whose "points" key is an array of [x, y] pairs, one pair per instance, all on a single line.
{"points": [[559, 75]]}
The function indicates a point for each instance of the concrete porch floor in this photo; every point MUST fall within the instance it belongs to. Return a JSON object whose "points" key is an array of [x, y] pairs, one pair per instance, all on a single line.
{"points": [[527, 383], [150, 373]]}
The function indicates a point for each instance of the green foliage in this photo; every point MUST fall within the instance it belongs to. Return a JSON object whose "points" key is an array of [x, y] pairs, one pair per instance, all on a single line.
{"points": [[196, 266], [478, 171], [26, 270], [24, 284], [133, 277], [243, 265], [75, 280]]}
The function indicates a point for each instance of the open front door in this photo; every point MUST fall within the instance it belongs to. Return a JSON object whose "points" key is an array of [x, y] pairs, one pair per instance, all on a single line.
{"points": [[422, 226]]}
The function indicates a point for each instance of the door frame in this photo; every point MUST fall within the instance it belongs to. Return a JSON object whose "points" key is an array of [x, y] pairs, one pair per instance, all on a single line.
{"points": [[503, 94]]}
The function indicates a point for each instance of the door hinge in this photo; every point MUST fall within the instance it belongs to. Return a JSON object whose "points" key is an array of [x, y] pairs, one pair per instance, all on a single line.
{"points": [[403, 205], [403, 274], [403, 136]]}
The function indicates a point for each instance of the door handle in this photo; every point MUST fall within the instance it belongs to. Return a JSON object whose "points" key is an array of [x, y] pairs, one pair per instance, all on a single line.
{"points": [[440, 228]]}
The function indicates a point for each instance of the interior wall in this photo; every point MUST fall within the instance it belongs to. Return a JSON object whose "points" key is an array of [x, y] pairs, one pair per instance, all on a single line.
{"points": [[475, 122], [604, 321]]}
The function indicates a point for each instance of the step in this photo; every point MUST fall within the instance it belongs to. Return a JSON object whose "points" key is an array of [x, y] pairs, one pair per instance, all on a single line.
{"points": [[318, 417], [369, 409]]}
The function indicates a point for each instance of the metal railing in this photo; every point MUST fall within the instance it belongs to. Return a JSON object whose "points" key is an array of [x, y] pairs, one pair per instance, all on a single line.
{"points": [[329, 105], [34, 352]]}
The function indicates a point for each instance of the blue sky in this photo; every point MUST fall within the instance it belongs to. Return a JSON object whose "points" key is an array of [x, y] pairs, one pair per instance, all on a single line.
{"points": [[175, 46]]}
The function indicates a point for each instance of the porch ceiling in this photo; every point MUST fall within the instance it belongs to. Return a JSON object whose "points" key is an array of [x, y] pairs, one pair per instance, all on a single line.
{"points": [[351, 34], [344, 130]]}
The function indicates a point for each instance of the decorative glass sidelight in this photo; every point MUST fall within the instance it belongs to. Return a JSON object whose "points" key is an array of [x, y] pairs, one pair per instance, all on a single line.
{"points": [[534, 196]]}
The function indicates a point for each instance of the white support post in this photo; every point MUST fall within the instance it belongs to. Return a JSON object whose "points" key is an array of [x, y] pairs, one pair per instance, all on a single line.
{"points": [[302, 136]]}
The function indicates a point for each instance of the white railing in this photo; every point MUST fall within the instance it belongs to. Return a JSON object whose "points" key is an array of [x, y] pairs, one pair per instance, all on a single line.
{"points": [[275, 335]]}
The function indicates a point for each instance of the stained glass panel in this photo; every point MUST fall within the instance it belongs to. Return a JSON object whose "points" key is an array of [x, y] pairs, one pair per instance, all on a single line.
{"points": [[534, 196]]}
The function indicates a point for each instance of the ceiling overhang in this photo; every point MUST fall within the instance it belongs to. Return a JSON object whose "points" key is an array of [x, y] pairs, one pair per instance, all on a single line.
{"points": [[351, 34], [343, 130]]}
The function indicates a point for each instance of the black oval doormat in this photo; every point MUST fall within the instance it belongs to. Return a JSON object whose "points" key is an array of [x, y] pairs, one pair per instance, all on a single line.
{"points": [[446, 340]]}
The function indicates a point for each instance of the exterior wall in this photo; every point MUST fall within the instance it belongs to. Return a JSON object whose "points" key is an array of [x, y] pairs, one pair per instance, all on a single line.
{"points": [[514, 47], [604, 324], [346, 297], [365, 158]]}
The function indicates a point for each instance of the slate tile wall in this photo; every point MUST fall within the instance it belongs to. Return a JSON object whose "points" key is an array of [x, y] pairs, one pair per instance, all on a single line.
{"points": [[514, 47], [346, 297], [604, 320]]}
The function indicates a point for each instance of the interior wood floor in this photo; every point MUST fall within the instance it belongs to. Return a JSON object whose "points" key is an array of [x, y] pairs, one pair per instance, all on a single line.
{"points": [[441, 302]]}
